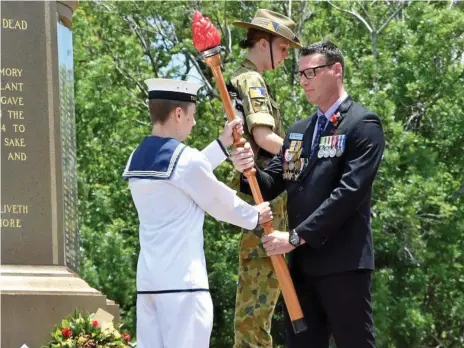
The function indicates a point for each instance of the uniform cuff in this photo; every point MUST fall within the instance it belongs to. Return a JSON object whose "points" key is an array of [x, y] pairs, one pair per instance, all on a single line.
{"points": [[223, 148], [313, 239], [259, 119], [258, 226]]}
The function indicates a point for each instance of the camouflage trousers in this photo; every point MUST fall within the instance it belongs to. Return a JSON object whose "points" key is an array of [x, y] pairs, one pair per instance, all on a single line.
{"points": [[257, 294], [258, 288]]}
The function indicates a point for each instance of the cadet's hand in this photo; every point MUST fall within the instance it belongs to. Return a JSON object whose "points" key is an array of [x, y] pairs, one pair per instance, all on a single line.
{"points": [[265, 212], [243, 158], [226, 137], [277, 243]]}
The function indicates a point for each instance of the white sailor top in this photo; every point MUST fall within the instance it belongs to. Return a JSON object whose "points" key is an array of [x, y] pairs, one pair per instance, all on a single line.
{"points": [[172, 186]]}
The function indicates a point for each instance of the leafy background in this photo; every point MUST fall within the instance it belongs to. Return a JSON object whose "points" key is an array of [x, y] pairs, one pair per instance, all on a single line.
{"points": [[404, 60]]}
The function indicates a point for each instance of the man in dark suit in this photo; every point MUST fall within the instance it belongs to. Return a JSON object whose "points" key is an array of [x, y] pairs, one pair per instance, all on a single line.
{"points": [[327, 166]]}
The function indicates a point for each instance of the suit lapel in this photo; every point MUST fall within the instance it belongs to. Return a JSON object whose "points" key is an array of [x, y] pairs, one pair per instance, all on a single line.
{"points": [[345, 106], [329, 130], [308, 136]]}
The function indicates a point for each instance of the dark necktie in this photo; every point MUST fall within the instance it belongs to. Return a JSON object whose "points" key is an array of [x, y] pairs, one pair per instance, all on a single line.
{"points": [[321, 122]]}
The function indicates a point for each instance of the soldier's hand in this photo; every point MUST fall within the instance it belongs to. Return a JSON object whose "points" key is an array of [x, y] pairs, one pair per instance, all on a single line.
{"points": [[227, 138], [265, 213], [243, 158]]}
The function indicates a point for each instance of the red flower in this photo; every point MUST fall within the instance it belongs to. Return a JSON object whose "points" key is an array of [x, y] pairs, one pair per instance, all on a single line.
{"points": [[335, 118], [126, 337], [66, 332], [95, 323]]}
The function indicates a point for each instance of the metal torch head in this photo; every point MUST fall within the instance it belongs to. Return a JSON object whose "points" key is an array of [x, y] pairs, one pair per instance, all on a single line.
{"points": [[211, 52]]}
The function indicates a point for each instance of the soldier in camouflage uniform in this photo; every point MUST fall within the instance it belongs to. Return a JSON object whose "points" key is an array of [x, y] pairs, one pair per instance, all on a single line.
{"points": [[269, 37]]}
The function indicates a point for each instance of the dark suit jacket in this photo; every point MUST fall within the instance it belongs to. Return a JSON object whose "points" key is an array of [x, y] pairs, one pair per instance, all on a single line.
{"points": [[329, 204]]}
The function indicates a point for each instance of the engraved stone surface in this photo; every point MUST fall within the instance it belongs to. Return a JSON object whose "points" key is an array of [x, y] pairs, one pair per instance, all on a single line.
{"points": [[38, 196], [68, 146], [25, 150], [38, 162]]}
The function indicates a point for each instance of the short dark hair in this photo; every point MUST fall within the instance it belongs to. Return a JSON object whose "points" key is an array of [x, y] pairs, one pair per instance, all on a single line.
{"points": [[328, 49], [161, 108], [253, 36]]}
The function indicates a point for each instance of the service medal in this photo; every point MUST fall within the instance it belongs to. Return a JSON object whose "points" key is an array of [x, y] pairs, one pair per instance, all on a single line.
{"points": [[288, 155], [333, 152], [320, 153], [323, 147], [295, 145], [327, 146], [303, 162], [333, 147], [341, 145]]}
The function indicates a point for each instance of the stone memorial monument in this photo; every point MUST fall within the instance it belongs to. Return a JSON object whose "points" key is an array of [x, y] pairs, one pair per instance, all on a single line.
{"points": [[39, 281]]}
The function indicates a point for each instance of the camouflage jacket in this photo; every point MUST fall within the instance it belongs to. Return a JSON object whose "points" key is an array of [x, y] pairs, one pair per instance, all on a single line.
{"points": [[259, 109]]}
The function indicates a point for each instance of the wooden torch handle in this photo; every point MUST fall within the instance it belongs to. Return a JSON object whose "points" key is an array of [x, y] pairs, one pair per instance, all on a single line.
{"points": [[278, 261]]}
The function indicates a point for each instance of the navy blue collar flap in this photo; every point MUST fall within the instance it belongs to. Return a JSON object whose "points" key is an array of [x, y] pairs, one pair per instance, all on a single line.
{"points": [[155, 158]]}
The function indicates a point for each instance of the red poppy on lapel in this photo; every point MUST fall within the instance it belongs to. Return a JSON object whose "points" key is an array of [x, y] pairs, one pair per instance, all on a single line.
{"points": [[335, 119]]}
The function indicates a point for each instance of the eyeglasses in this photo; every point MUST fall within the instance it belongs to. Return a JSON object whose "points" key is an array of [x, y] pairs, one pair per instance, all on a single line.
{"points": [[310, 73]]}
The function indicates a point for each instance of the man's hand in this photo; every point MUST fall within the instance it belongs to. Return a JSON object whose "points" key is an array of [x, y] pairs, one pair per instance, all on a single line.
{"points": [[226, 137], [243, 158], [265, 212], [277, 243]]}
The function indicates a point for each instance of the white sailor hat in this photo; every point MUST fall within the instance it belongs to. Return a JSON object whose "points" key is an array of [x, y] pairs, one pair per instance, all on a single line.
{"points": [[172, 89]]}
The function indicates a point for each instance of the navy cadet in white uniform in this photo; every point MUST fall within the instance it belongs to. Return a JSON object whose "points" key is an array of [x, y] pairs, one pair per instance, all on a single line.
{"points": [[172, 186]]}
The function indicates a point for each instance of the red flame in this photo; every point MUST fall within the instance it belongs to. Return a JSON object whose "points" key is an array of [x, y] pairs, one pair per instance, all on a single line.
{"points": [[205, 35]]}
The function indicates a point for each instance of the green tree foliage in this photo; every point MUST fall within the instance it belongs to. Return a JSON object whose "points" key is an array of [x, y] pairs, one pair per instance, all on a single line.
{"points": [[404, 60]]}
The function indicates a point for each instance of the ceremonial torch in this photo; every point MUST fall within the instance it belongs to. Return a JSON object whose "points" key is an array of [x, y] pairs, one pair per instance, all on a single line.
{"points": [[207, 40]]}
